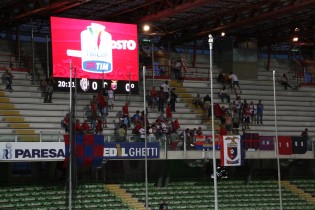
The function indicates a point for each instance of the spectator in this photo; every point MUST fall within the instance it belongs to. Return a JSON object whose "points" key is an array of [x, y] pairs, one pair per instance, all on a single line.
{"points": [[161, 100], [111, 98], [152, 131], [8, 76], [136, 117], [176, 70], [187, 134], [77, 127], [99, 126], [173, 99], [153, 98], [228, 122], [101, 103], [305, 133], [49, 89], [66, 123], [198, 102], [221, 78], [163, 206], [166, 89], [239, 106], [206, 103], [260, 110], [199, 131], [184, 64], [235, 82], [93, 114], [247, 116], [224, 95], [253, 112], [48, 93], [122, 133], [285, 82], [142, 132], [125, 112], [223, 131], [85, 127], [87, 112], [168, 111], [137, 127]]}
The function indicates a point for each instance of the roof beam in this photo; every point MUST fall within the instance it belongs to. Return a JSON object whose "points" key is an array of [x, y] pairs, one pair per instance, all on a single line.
{"points": [[173, 11], [268, 15]]}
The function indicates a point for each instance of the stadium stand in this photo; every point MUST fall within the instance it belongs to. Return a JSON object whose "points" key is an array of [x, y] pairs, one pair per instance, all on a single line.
{"points": [[87, 196], [233, 194]]}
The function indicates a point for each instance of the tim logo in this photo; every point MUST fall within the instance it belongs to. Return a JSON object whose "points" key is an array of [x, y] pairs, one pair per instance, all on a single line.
{"points": [[7, 152], [84, 84]]}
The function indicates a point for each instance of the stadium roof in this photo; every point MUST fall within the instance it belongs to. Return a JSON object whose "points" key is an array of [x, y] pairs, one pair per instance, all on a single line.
{"points": [[268, 21]]}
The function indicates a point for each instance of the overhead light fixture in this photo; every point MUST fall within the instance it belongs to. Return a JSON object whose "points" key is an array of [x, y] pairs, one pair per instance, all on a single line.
{"points": [[222, 34], [146, 27], [296, 29], [295, 39]]}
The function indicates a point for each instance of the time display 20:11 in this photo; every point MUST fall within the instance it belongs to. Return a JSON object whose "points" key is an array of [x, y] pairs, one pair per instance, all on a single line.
{"points": [[65, 84]]}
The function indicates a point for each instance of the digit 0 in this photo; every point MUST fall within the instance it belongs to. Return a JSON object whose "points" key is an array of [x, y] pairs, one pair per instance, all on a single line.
{"points": [[94, 85]]}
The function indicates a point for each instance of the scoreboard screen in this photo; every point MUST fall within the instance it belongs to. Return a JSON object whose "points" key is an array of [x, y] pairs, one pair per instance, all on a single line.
{"points": [[99, 53]]}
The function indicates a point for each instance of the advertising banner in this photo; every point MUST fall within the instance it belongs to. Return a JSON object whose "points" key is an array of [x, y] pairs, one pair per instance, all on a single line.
{"points": [[133, 150], [231, 151], [32, 151]]}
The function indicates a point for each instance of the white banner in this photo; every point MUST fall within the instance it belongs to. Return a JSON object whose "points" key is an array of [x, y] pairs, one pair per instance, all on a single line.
{"points": [[32, 151], [231, 151]]}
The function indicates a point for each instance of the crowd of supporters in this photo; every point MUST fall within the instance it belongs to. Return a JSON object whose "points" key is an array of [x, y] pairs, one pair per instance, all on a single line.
{"points": [[234, 116]]}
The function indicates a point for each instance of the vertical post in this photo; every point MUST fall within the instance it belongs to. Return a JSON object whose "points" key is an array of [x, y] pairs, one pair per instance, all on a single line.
{"points": [[47, 55], [70, 141], [152, 52], [185, 148], [145, 142], [268, 58], [129, 88], [18, 44], [33, 53], [212, 128], [276, 140]]}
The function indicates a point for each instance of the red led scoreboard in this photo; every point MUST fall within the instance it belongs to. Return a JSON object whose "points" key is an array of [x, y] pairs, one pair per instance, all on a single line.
{"points": [[97, 51]]}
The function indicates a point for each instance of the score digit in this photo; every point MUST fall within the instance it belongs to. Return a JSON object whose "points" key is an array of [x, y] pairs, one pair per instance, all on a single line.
{"points": [[94, 85]]}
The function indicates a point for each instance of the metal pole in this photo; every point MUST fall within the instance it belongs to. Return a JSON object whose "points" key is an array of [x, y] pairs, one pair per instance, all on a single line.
{"points": [[129, 88], [153, 72], [276, 140], [47, 53], [33, 53], [212, 128], [145, 142], [103, 86], [70, 142], [185, 149]]}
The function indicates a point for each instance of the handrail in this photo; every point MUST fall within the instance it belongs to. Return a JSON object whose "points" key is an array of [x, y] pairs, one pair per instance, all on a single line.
{"points": [[166, 72]]}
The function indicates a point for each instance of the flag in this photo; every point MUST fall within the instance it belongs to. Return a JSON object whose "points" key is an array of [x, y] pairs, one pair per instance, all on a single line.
{"points": [[89, 149], [285, 145], [205, 142], [230, 152], [250, 141], [266, 143], [299, 145]]}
